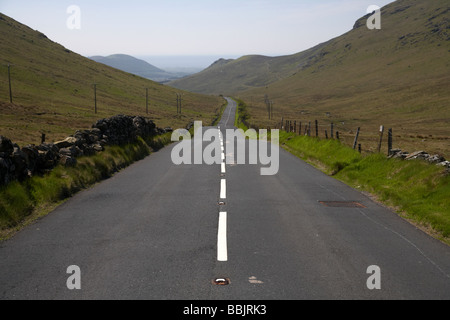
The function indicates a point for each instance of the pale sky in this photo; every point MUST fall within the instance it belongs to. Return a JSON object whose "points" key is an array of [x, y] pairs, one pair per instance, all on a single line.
{"points": [[194, 27]]}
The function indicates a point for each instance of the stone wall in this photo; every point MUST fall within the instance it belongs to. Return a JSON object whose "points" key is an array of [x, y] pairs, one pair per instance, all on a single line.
{"points": [[421, 155], [19, 163]]}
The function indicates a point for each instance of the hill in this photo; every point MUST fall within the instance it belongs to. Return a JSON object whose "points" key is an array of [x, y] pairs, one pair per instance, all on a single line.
{"points": [[236, 75], [135, 66], [53, 90], [397, 77]]}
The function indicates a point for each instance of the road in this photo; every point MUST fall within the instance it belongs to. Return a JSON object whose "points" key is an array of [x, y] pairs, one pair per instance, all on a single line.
{"points": [[158, 231]]}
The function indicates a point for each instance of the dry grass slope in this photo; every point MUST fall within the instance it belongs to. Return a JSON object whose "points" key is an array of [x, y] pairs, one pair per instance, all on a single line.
{"points": [[397, 77], [53, 90]]}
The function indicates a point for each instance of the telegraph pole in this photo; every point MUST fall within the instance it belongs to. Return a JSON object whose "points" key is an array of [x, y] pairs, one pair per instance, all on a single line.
{"points": [[95, 98], [146, 100], [178, 103], [9, 80]]}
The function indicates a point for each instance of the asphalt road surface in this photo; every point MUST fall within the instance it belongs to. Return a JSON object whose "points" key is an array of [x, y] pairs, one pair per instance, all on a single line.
{"points": [[160, 231]]}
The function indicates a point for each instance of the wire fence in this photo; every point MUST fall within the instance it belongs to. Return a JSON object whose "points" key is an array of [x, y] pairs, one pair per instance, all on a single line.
{"points": [[331, 130]]}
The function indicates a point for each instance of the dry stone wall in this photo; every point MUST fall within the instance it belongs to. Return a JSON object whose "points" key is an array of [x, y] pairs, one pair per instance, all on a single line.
{"points": [[19, 163]]}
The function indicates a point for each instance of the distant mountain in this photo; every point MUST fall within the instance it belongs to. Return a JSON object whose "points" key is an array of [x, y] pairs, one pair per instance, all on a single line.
{"points": [[136, 66]]}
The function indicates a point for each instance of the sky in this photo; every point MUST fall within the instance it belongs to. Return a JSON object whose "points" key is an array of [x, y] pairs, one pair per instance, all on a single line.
{"points": [[173, 28]]}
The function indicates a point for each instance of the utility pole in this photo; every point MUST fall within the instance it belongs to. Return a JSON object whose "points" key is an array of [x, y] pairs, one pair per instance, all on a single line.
{"points": [[95, 98], [271, 110], [146, 100], [178, 103], [9, 80]]}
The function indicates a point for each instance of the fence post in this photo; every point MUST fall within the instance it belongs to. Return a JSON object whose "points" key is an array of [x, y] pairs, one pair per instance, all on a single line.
{"points": [[337, 135], [317, 128], [381, 138], [356, 138], [332, 130], [389, 142], [359, 148], [326, 134], [43, 138]]}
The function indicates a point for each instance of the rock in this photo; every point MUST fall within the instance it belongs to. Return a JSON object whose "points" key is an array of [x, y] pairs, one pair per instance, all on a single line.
{"points": [[66, 143], [436, 159], [5, 175], [98, 147], [20, 161], [68, 161], [48, 157], [6, 146], [398, 154], [32, 155], [417, 155], [445, 164]]}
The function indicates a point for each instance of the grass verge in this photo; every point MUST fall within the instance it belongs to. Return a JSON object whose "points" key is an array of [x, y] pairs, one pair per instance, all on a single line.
{"points": [[242, 115], [23, 202], [416, 190]]}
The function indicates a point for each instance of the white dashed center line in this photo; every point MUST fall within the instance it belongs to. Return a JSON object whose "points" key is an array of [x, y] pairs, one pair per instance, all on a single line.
{"points": [[222, 250], [222, 247]]}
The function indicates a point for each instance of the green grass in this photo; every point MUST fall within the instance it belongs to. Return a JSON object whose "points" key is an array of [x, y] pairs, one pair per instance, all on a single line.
{"points": [[330, 153], [418, 191], [21, 202], [242, 115]]}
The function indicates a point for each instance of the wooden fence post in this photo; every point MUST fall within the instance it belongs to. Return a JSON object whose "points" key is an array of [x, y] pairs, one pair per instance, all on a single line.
{"points": [[356, 138], [381, 138], [389, 142], [317, 128]]}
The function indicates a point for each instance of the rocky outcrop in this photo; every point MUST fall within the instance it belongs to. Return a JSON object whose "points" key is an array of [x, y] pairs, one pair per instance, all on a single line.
{"points": [[19, 163]]}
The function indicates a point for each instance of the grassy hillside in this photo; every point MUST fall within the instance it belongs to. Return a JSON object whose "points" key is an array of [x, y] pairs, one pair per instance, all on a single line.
{"points": [[397, 76], [231, 76], [53, 91]]}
